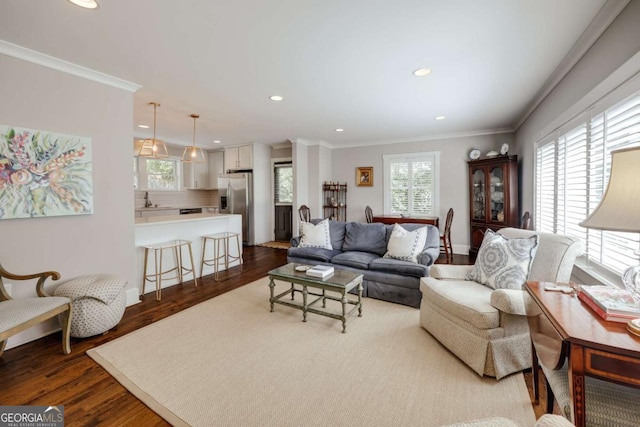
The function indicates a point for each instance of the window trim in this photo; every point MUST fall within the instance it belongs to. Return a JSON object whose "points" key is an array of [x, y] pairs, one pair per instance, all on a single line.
{"points": [[387, 159]]}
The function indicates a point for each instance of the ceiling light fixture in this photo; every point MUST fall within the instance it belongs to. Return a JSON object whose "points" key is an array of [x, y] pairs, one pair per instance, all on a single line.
{"points": [[276, 98], [440, 117], [339, 130], [87, 4], [421, 72], [143, 126], [153, 147], [216, 141], [193, 154]]}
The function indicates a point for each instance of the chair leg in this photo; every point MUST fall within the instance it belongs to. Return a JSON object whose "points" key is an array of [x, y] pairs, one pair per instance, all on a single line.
{"points": [[3, 344], [66, 329], [550, 398]]}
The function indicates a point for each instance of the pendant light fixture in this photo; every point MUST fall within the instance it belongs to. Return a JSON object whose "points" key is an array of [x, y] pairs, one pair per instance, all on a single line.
{"points": [[193, 154], [153, 147]]}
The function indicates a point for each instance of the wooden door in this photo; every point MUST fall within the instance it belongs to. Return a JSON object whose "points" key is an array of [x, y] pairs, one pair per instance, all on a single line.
{"points": [[284, 221]]}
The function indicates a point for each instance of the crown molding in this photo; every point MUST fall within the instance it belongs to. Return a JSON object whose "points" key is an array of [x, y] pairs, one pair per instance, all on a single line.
{"points": [[607, 14], [427, 138], [35, 57]]}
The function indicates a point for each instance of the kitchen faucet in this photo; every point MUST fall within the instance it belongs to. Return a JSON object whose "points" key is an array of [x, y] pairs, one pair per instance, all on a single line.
{"points": [[147, 202]]}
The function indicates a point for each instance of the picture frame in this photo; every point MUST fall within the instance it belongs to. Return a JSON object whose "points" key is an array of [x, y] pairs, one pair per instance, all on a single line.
{"points": [[364, 176]]}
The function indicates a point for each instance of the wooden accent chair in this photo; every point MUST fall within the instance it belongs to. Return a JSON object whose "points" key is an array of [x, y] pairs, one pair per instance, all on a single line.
{"points": [[368, 213], [445, 236], [18, 314], [305, 213], [526, 221]]}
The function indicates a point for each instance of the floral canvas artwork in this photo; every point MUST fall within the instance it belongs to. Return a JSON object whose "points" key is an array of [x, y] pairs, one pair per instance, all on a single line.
{"points": [[44, 174]]}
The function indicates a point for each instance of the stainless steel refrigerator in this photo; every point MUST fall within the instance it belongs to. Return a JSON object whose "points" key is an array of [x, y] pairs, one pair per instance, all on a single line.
{"points": [[235, 191]]}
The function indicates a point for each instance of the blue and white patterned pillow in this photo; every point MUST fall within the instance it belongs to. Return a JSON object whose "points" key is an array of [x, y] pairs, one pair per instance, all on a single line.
{"points": [[503, 263], [315, 236], [406, 245]]}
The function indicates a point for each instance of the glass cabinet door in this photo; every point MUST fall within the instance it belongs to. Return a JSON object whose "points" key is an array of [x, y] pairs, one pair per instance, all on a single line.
{"points": [[496, 192], [479, 203]]}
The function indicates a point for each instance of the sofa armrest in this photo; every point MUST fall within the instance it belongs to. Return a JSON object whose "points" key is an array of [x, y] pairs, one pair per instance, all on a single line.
{"points": [[451, 272], [295, 241], [509, 301], [428, 256]]}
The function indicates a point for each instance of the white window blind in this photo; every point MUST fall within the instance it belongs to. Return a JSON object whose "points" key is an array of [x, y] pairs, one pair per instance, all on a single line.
{"points": [[572, 169], [411, 184]]}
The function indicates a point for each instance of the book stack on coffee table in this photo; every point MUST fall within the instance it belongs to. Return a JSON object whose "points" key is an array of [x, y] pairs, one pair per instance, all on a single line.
{"points": [[611, 303]]}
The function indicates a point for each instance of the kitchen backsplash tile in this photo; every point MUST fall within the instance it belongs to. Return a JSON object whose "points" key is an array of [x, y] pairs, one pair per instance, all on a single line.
{"points": [[178, 199]]}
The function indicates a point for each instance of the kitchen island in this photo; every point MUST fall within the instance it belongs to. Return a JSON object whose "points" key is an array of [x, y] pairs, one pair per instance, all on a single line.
{"points": [[158, 229]]}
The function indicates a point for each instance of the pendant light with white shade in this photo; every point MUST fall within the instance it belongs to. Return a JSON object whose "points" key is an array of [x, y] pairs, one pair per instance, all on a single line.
{"points": [[153, 147], [192, 153]]}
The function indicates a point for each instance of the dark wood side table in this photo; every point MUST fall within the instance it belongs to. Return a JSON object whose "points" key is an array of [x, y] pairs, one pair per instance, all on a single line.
{"points": [[561, 325], [392, 219]]}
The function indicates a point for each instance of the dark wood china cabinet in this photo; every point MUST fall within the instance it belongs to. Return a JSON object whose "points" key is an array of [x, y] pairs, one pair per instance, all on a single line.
{"points": [[493, 196]]}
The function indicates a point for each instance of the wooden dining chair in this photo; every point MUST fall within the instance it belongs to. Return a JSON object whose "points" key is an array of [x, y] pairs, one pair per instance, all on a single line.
{"points": [[368, 213], [305, 213], [526, 221], [445, 237]]}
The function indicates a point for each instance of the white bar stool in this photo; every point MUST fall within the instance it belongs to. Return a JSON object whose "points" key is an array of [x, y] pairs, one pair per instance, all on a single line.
{"points": [[158, 250], [220, 258]]}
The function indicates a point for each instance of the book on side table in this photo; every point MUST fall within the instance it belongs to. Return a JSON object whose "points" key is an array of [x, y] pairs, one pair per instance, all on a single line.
{"points": [[320, 271], [611, 303]]}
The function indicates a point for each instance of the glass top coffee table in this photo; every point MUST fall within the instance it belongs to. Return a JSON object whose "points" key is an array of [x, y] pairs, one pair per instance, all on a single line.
{"points": [[341, 282]]}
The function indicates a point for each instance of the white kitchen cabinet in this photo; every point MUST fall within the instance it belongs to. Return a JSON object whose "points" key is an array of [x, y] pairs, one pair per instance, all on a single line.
{"points": [[240, 157], [216, 167], [196, 175]]}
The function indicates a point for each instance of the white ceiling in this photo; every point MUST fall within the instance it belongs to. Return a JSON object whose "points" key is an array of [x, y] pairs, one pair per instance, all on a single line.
{"points": [[338, 64]]}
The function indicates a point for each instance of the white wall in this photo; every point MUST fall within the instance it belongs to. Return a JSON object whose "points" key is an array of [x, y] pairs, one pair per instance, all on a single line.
{"points": [[617, 45], [40, 98], [454, 175]]}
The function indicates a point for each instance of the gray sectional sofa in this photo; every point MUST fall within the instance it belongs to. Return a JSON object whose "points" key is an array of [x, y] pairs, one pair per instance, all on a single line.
{"points": [[360, 247]]}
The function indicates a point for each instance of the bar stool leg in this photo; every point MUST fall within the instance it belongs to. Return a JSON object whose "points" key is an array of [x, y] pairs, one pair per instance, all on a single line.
{"points": [[204, 248], [158, 274], [226, 252], [216, 257], [193, 267], [144, 272], [178, 253], [239, 253]]}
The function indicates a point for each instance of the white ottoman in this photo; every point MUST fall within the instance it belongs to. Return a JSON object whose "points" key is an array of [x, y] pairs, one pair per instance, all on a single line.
{"points": [[97, 303]]}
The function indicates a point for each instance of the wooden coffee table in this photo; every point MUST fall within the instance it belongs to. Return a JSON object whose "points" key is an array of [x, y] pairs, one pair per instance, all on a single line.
{"points": [[341, 282]]}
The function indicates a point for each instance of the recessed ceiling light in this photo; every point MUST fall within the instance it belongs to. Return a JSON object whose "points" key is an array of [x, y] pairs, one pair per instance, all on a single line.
{"points": [[143, 126], [339, 130], [421, 72], [216, 141], [276, 98], [440, 117], [87, 4]]}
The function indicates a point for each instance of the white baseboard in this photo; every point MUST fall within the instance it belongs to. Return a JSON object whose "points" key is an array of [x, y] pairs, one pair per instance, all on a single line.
{"points": [[133, 296]]}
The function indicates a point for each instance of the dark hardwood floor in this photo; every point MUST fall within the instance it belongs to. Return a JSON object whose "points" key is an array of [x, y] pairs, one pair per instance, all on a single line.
{"points": [[38, 373]]}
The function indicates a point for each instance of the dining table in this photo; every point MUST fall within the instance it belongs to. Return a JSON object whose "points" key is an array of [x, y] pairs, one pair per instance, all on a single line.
{"points": [[399, 219]]}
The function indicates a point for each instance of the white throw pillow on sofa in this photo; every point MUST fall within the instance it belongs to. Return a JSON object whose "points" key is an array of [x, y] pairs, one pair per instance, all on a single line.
{"points": [[503, 263], [315, 236], [406, 245]]}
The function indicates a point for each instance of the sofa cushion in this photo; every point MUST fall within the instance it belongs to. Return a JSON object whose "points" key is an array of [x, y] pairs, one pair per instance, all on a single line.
{"points": [[315, 236], [336, 230], [503, 263], [397, 266], [355, 259], [466, 300], [314, 254], [365, 238], [405, 245]]}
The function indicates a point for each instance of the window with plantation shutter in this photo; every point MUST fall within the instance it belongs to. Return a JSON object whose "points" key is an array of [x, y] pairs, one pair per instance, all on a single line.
{"points": [[572, 169], [411, 184]]}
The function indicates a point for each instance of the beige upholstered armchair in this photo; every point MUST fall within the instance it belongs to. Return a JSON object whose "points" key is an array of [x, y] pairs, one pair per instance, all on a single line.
{"points": [[16, 315], [486, 328]]}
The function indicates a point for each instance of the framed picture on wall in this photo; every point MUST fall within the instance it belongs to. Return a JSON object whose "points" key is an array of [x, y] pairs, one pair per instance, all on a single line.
{"points": [[364, 176]]}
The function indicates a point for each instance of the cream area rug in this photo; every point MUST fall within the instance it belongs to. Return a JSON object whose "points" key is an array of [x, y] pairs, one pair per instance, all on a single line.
{"points": [[229, 361]]}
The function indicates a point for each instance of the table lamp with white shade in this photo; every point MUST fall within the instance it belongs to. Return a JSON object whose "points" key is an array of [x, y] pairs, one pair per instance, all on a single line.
{"points": [[619, 209]]}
